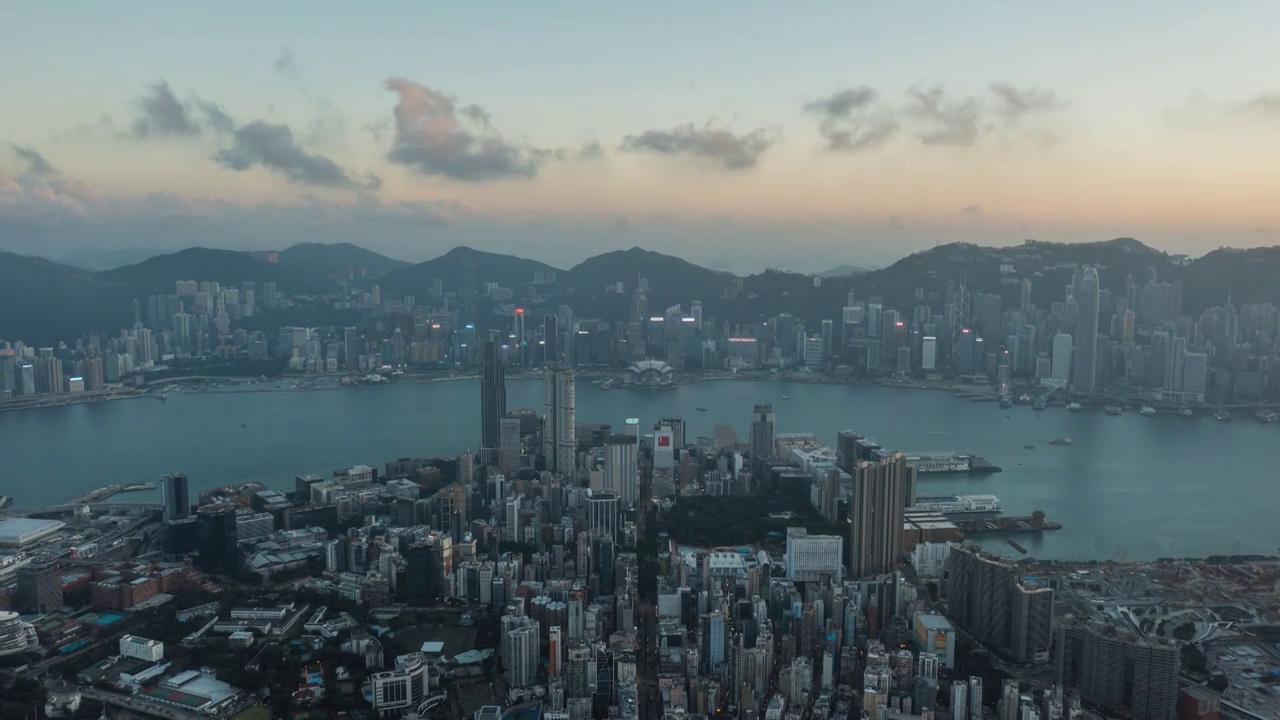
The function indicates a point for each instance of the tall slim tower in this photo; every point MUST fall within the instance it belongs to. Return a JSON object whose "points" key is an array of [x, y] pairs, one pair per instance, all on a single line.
{"points": [[876, 514], [493, 398], [175, 497], [559, 442], [1085, 367], [762, 431]]}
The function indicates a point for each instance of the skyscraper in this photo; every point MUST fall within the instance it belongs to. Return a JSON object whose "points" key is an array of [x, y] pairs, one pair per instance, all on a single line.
{"points": [[559, 442], [175, 497], [762, 432], [1086, 360], [550, 339], [509, 446], [493, 399], [876, 514]]}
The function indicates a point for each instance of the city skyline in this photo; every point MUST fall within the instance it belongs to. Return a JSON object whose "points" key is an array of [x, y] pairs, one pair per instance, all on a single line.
{"points": [[855, 146]]}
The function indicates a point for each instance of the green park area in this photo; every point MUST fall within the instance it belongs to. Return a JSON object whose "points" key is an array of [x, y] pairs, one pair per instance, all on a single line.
{"points": [[712, 521]]}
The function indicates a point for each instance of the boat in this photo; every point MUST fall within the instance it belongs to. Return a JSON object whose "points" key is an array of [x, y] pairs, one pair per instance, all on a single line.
{"points": [[243, 425], [1060, 441], [1028, 447], [5, 501], [1223, 416], [1113, 410], [1040, 404], [1266, 417], [957, 504], [1006, 401], [1074, 407], [1024, 399], [786, 397], [1147, 411], [1186, 413], [700, 409]]}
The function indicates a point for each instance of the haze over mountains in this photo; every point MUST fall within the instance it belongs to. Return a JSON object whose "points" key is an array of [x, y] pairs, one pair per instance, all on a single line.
{"points": [[47, 301]]}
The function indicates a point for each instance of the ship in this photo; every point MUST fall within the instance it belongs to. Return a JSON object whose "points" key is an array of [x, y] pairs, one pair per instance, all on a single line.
{"points": [[1040, 404], [1060, 441], [1186, 413], [700, 409], [1222, 416], [957, 504], [1006, 401], [1113, 410], [1266, 417], [1074, 407], [940, 463], [5, 501], [1024, 399], [1147, 411]]}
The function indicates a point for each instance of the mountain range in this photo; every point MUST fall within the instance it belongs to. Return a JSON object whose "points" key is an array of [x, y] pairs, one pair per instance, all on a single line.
{"points": [[42, 301]]}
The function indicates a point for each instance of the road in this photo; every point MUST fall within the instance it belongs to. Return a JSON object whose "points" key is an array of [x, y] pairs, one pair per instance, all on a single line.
{"points": [[649, 703]]}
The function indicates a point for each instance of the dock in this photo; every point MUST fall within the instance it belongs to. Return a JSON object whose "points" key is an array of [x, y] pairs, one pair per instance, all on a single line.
{"points": [[103, 493], [1035, 522]]}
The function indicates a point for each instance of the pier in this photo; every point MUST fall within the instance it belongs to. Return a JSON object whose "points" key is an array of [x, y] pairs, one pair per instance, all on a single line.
{"points": [[1035, 522], [103, 493]]}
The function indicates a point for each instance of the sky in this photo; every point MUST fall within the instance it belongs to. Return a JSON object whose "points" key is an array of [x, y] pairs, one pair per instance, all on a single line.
{"points": [[739, 135]]}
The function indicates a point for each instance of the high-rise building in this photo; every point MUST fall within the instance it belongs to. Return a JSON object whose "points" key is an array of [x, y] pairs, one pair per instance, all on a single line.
{"points": [[550, 339], [175, 497], [876, 514], [602, 513], [959, 700], [509, 446], [1086, 357], [520, 650], [621, 470], [39, 588], [810, 557], [989, 598], [559, 442], [1119, 672], [1061, 359], [493, 398], [762, 431]]}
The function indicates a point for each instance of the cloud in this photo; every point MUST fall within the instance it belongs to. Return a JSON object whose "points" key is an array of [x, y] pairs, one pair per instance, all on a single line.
{"points": [[1264, 229], [591, 151], [163, 115], [287, 67], [37, 166], [436, 137], [850, 120], [1015, 104], [843, 103], [715, 144], [1199, 110], [972, 211], [273, 147], [943, 120]]}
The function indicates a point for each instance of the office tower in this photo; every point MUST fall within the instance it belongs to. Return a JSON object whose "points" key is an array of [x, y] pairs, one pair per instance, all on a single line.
{"points": [[621, 471], [810, 557], [493, 398], [26, 380], [602, 513], [509, 446], [762, 432], [1119, 672], [175, 497], [550, 339], [559, 442], [424, 575], [219, 542], [1061, 367], [1086, 357], [39, 588], [676, 426], [990, 599], [876, 514]]}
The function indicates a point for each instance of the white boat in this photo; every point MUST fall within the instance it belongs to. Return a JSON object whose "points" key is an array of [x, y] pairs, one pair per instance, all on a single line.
{"points": [[1074, 407], [1147, 411], [957, 504]]}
